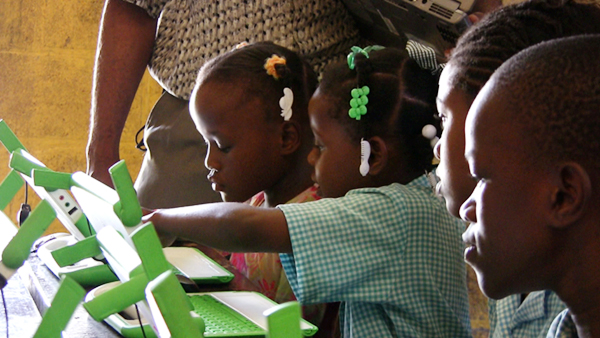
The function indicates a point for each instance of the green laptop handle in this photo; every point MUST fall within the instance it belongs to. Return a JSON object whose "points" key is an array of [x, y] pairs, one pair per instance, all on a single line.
{"points": [[51, 180], [128, 208], [19, 247], [9, 187], [92, 276], [22, 164], [56, 318], [283, 321], [150, 250], [9, 139], [71, 254], [167, 299], [117, 299]]}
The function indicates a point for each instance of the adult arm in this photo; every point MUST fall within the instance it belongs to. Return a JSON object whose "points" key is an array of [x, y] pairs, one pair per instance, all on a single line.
{"points": [[125, 44], [233, 227]]}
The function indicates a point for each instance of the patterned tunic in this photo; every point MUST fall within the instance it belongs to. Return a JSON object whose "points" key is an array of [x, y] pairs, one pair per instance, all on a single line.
{"points": [[193, 31], [392, 255]]}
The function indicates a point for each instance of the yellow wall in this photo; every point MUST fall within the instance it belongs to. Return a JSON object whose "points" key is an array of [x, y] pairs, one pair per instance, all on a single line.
{"points": [[47, 53]]}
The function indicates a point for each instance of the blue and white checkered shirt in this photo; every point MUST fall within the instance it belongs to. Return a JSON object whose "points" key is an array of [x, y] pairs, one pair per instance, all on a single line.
{"points": [[531, 318], [392, 255], [563, 327]]}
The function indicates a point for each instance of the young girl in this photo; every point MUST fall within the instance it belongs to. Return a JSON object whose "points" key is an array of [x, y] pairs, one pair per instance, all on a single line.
{"points": [[383, 244], [251, 107], [478, 53]]}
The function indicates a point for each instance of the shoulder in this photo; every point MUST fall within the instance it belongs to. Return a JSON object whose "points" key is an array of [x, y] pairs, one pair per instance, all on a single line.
{"points": [[562, 326]]}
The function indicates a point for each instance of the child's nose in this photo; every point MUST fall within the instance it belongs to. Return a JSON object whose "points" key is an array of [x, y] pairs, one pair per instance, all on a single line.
{"points": [[210, 161], [467, 211], [312, 156]]}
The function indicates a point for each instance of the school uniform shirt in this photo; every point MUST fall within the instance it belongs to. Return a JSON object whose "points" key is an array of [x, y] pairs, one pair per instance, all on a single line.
{"points": [[265, 270], [392, 255], [512, 317], [563, 327]]}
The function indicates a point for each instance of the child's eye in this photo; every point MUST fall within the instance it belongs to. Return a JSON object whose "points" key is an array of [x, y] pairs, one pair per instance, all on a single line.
{"points": [[223, 148], [319, 147], [443, 118], [477, 179]]}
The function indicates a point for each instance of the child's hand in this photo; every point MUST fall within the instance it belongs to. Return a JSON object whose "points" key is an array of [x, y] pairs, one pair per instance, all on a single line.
{"points": [[146, 211], [166, 239]]}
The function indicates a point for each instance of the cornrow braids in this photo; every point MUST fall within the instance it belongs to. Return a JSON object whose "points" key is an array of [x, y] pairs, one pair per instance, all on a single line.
{"points": [[401, 101], [245, 66], [508, 30]]}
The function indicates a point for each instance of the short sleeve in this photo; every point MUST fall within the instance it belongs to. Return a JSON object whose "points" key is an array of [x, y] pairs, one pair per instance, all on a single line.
{"points": [[342, 250]]}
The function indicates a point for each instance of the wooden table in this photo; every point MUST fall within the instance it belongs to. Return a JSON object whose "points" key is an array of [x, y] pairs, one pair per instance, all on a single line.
{"points": [[30, 292]]}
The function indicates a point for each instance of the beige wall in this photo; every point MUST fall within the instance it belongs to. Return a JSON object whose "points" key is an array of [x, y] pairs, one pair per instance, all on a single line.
{"points": [[47, 53]]}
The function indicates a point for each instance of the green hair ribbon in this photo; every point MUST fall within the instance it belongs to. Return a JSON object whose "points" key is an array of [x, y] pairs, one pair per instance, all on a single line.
{"points": [[355, 50], [358, 103]]}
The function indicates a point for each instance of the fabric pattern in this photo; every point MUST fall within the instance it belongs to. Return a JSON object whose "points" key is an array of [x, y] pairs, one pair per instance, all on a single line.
{"points": [[320, 30], [392, 255], [563, 327], [265, 268], [528, 318]]}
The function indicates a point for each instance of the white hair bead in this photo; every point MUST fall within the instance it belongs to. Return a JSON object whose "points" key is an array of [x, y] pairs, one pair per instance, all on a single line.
{"points": [[429, 132]]}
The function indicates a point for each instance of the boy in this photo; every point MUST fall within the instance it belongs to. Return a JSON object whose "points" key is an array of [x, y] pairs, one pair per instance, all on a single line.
{"points": [[531, 144]]}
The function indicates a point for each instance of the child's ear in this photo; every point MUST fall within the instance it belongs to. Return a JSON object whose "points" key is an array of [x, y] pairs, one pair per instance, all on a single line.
{"points": [[571, 195], [379, 155], [290, 137]]}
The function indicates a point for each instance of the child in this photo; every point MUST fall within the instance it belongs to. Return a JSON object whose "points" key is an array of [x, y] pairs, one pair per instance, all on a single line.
{"points": [[382, 243], [478, 53], [252, 149], [532, 143]]}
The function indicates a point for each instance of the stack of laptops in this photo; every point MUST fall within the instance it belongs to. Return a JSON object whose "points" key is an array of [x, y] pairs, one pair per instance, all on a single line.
{"points": [[225, 314]]}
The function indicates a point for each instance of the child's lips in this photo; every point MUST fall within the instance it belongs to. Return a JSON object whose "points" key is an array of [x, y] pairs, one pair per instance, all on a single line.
{"points": [[216, 185], [470, 247]]}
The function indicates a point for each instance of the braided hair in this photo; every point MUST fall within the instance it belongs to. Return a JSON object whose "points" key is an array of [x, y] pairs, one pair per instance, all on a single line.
{"points": [[401, 102], [508, 30], [245, 66]]}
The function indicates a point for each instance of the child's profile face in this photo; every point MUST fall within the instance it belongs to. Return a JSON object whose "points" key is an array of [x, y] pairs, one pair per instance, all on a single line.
{"points": [[455, 183], [508, 242], [243, 148], [335, 157]]}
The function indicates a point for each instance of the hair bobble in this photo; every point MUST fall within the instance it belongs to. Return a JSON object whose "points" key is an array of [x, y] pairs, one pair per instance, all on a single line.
{"points": [[272, 62], [358, 103], [430, 132], [286, 101]]}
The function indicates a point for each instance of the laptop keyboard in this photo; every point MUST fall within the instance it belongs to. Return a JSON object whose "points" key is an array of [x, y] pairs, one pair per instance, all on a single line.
{"points": [[221, 321]]}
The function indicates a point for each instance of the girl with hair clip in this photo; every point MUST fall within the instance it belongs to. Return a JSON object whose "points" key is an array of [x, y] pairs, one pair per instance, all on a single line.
{"points": [[251, 107], [379, 242], [478, 53]]}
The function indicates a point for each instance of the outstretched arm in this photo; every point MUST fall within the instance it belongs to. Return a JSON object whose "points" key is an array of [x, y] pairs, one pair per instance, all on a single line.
{"points": [[125, 44], [233, 227]]}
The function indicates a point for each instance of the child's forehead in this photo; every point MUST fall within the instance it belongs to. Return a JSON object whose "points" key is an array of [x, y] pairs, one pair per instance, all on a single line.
{"points": [[490, 125]]}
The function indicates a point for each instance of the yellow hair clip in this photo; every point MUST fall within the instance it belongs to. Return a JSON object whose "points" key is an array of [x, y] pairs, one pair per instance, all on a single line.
{"points": [[271, 62]]}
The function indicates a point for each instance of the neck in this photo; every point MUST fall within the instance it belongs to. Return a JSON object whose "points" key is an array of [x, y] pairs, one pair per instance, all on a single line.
{"points": [[297, 179], [582, 298], [579, 285]]}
